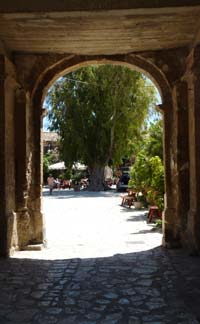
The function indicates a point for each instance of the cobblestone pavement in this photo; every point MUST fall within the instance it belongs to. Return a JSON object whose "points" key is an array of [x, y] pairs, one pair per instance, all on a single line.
{"points": [[87, 279]]}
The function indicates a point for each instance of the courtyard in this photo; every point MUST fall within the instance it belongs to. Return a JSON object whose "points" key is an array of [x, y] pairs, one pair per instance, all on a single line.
{"points": [[92, 224], [103, 264]]}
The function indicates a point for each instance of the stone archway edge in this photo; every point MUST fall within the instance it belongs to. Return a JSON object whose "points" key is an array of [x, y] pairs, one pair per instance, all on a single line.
{"points": [[36, 72]]}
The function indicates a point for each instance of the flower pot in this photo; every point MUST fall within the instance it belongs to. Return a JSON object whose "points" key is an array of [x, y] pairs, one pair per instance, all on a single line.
{"points": [[138, 205]]}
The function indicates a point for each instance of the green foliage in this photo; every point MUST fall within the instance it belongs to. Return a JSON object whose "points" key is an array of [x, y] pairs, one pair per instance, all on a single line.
{"points": [[48, 159], [45, 166], [77, 176], [140, 174], [147, 176], [154, 141], [142, 199], [157, 182], [159, 223], [67, 174], [150, 139], [98, 112], [147, 173]]}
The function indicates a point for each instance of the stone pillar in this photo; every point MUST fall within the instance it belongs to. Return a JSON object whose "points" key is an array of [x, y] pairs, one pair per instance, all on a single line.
{"points": [[8, 228], [3, 220], [35, 189], [182, 142], [176, 159], [193, 78], [170, 237], [23, 217]]}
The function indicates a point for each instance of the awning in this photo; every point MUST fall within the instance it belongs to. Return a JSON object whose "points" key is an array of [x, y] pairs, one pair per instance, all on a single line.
{"points": [[61, 166], [57, 166]]}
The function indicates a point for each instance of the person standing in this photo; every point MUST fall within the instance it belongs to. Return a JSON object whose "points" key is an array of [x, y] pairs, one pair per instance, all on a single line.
{"points": [[50, 181]]}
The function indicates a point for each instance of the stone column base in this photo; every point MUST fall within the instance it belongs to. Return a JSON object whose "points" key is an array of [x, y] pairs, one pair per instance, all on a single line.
{"points": [[38, 230], [171, 230], [23, 227], [34, 247], [192, 237], [12, 235]]}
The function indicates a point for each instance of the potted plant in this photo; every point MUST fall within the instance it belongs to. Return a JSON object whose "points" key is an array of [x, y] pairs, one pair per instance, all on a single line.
{"points": [[138, 203]]}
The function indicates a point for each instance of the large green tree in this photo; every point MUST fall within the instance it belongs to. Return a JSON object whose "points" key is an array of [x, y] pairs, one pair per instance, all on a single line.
{"points": [[98, 112]]}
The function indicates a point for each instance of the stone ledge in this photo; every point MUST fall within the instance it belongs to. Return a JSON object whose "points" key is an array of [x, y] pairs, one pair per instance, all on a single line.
{"points": [[33, 247]]}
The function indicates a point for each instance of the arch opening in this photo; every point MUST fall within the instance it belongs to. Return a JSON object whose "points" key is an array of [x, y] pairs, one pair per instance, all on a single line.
{"points": [[48, 73], [74, 68]]}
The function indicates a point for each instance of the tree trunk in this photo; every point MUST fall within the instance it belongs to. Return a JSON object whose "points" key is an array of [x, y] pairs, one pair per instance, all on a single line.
{"points": [[96, 178], [112, 136]]}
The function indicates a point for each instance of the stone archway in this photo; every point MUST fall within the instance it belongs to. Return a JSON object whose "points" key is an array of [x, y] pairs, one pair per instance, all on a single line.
{"points": [[157, 75], [40, 40], [176, 75]]}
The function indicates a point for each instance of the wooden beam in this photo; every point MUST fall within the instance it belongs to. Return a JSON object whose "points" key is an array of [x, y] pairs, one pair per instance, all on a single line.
{"points": [[79, 5], [189, 58], [4, 50], [196, 38]]}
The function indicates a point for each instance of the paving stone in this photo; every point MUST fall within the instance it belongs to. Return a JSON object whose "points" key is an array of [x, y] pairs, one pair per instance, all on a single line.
{"points": [[114, 316], [102, 301], [124, 301], [153, 306], [109, 321], [69, 310], [54, 310], [26, 302], [84, 304], [73, 293], [20, 316], [124, 286], [87, 322], [134, 320], [74, 286], [68, 320], [69, 301], [155, 322], [137, 298], [45, 303], [110, 295], [93, 316], [99, 308], [89, 296], [37, 294], [146, 283], [128, 292]]}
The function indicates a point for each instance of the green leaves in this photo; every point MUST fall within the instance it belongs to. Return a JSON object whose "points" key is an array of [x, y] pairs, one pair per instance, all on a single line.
{"points": [[98, 112], [147, 173]]}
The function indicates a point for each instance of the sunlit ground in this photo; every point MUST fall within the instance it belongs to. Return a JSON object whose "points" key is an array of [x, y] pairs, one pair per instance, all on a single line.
{"points": [[89, 224]]}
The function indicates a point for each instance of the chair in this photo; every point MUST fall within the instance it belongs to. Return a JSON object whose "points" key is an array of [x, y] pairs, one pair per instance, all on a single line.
{"points": [[154, 212], [129, 198]]}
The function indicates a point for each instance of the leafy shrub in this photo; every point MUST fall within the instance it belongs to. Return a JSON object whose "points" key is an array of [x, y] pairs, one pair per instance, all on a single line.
{"points": [[147, 176]]}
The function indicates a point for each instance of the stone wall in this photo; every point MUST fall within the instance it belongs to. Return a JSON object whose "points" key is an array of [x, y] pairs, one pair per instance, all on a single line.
{"points": [[175, 73]]}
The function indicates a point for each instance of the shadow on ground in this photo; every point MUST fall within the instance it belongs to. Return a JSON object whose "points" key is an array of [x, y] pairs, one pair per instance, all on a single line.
{"points": [[142, 287], [66, 194], [138, 216], [149, 231]]}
